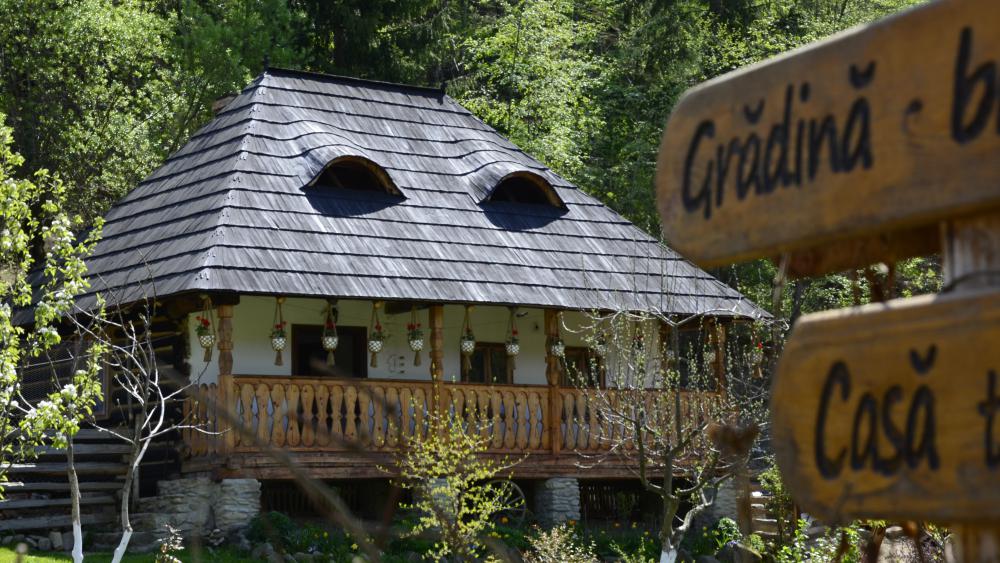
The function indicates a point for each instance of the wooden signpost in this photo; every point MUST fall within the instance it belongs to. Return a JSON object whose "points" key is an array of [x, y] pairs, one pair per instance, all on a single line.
{"points": [[878, 144], [849, 151], [893, 411]]}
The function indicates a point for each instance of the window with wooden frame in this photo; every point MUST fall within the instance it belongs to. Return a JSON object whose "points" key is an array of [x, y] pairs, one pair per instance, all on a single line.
{"points": [[488, 364], [309, 357], [581, 367]]}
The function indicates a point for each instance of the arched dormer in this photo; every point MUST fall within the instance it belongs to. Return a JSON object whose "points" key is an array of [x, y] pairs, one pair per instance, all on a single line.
{"points": [[355, 173], [525, 187]]}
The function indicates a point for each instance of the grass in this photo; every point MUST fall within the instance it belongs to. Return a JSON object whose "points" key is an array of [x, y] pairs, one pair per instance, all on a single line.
{"points": [[7, 555]]}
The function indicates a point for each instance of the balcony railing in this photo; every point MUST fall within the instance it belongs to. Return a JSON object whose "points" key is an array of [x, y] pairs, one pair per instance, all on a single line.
{"points": [[310, 414]]}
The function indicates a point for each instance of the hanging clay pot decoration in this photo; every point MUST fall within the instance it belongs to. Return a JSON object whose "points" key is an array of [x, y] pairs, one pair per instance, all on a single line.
{"points": [[279, 339], [709, 356], [330, 337], [512, 345], [376, 338], [557, 347], [467, 344], [601, 345], [415, 336], [757, 354], [205, 329]]}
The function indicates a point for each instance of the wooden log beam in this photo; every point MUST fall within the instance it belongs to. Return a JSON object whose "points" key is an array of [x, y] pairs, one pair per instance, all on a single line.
{"points": [[436, 321], [552, 369], [225, 333], [971, 261]]}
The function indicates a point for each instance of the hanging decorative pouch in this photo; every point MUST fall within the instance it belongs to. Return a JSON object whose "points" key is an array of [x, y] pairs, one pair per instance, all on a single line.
{"points": [[330, 337], [206, 328], [468, 342], [376, 338], [556, 345], [279, 338], [415, 335], [512, 344]]}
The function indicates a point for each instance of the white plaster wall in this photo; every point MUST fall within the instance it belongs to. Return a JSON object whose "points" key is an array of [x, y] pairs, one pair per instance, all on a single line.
{"points": [[253, 319]]}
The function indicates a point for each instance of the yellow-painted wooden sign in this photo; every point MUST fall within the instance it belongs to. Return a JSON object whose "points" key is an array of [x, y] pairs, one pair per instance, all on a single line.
{"points": [[893, 410], [879, 132]]}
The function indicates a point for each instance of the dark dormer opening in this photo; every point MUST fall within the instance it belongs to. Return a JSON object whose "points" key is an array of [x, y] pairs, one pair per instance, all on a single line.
{"points": [[356, 173], [525, 187]]}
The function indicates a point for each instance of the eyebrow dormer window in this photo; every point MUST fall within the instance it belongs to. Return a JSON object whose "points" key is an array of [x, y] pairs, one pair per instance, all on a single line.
{"points": [[525, 187], [356, 173]]}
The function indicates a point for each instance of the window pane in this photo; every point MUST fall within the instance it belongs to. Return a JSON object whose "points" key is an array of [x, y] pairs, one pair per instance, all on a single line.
{"points": [[309, 357]]}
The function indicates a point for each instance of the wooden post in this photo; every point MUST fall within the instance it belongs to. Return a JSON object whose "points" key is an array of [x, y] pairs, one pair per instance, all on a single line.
{"points": [[554, 421], [436, 321], [225, 333], [971, 260]]}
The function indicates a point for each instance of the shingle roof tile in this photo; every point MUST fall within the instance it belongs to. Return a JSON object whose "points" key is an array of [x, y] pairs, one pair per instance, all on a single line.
{"points": [[231, 211]]}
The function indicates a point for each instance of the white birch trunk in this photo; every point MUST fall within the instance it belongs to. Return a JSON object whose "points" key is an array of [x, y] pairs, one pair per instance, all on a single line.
{"points": [[668, 555], [74, 495]]}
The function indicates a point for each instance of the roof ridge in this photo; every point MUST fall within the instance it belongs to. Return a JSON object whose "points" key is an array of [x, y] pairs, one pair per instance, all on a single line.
{"points": [[353, 79]]}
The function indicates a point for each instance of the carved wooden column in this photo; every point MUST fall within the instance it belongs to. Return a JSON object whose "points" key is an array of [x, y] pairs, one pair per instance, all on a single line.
{"points": [[970, 251], [552, 369], [436, 321], [226, 392]]}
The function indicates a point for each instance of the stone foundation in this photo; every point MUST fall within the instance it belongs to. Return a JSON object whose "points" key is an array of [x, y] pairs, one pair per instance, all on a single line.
{"points": [[557, 500], [199, 505]]}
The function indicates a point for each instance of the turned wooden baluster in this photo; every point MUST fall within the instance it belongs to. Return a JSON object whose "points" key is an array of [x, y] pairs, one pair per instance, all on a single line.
{"points": [[406, 400], [523, 419], [244, 436], [324, 429], [497, 431], [393, 415], [510, 428], [350, 404], [263, 414], [280, 416], [583, 431], [308, 419], [534, 421], [420, 406], [569, 438], [378, 413], [294, 435], [483, 415]]}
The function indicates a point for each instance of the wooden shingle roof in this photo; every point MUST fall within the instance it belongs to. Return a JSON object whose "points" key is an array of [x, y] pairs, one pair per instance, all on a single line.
{"points": [[231, 211]]}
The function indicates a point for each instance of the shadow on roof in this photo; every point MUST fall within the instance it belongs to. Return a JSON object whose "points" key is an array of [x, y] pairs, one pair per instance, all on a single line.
{"points": [[348, 203], [520, 216]]}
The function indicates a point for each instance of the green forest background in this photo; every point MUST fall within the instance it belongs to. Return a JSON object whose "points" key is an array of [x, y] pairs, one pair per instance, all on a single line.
{"points": [[101, 91]]}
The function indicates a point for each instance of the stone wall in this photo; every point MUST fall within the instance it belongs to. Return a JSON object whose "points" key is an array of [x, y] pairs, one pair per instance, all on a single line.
{"points": [[557, 500], [199, 505]]}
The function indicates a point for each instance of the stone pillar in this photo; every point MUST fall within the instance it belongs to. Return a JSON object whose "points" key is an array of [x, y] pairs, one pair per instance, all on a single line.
{"points": [[185, 504], [557, 500], [726, 505], [237, 501]]}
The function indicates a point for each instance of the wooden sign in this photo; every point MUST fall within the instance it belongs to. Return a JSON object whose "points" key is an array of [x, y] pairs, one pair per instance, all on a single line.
{"points": [[893, 410], [872, 136]]}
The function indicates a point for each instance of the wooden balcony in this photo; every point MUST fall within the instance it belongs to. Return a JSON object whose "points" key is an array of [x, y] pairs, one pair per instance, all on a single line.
{"points": [[335, 428]]}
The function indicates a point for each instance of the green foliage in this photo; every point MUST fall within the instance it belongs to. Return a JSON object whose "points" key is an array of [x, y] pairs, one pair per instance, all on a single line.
{"points": [[273, 527], [41, 267], [714, 538], [836, 544], [455, 494], [561, 544]]}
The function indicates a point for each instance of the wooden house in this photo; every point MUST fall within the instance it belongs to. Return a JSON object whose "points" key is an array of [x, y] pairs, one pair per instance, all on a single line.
{"points": [[313, 201]]}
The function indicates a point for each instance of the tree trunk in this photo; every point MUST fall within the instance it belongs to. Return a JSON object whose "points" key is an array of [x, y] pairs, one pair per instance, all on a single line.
{"points": [[74, 495], [135, 458]]}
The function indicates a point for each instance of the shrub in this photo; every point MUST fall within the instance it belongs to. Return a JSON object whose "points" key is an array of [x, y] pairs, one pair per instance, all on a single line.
{"points": [[711, 540], [274, 527], [560, 545]]}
